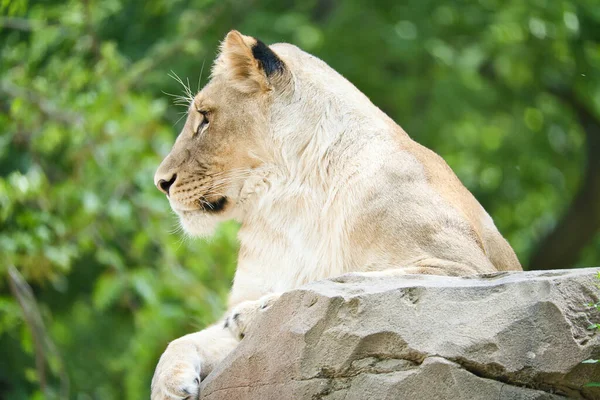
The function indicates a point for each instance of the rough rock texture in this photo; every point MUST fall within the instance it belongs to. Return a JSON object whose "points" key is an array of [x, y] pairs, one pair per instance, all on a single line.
{"points": [[519, 335]]}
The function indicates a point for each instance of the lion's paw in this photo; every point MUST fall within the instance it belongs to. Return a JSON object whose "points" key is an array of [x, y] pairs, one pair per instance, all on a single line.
{"points": [[245, 313], [178, 373]]}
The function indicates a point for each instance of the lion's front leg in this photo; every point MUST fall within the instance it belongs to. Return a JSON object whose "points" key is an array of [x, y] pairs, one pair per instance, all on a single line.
{"points": [[188, 360], [243, 316]]}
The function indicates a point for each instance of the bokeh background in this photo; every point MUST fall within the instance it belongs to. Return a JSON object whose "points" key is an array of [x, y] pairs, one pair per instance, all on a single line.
{"points": [[96, 277]]}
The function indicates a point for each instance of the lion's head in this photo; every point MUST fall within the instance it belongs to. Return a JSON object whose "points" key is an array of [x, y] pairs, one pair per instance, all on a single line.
{"points": [[271, 111], [227, 135]]}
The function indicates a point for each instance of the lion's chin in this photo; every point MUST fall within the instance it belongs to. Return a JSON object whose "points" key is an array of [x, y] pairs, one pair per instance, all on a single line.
{"points": [[202, 220], [198, 223]]}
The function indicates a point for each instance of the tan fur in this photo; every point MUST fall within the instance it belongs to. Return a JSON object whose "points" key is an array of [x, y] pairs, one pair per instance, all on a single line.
{"points": [[322, 182], [238, 66]]}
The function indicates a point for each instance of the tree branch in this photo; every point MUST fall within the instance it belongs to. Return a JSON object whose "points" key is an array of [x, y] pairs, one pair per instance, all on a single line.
{"points": [[44, 105], [561, 248], [581, 221], [25, 298], [161, 52], [20, 24]]}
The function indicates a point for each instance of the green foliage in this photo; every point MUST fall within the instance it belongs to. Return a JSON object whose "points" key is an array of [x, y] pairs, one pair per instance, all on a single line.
{"points": [[84, 123]]}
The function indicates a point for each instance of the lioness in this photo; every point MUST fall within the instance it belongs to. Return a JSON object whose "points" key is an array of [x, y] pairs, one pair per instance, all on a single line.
{"points": [[322, 182]]}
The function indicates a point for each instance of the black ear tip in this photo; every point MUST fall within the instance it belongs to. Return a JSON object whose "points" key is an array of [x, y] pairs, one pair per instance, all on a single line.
{"points": [[268, 59]]}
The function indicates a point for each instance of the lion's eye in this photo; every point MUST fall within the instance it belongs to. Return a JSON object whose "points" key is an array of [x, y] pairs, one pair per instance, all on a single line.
{"points": [[204, 123]]}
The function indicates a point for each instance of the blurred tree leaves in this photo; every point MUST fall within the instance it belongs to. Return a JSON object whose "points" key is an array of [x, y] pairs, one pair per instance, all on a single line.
{"points": [[493, 86]]}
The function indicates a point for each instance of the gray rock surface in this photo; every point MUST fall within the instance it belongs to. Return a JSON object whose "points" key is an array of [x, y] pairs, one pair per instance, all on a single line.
{"points": [[518, 335]]}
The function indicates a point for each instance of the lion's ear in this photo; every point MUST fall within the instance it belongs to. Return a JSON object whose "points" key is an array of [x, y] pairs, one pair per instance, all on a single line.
{"points": [[247, 62]]}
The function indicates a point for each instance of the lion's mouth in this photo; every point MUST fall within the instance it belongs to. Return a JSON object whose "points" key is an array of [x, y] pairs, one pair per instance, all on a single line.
{"points": [[214, 206]]}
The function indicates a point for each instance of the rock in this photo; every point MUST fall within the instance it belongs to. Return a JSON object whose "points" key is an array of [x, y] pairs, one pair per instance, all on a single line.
{"points": [[517, 335]]}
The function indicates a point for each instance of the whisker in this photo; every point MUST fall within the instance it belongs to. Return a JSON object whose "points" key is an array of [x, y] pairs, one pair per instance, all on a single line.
{"points": [[230, 177], [231, 171], [179, 100], [177, 228], [214, 193], [189, 97], [183, 239], [179, 119], [224, 179], [200, 77], [189, 90]]}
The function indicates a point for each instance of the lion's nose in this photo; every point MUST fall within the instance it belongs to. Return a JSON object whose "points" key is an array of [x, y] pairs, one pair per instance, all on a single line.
{"points": [[164, 185]]}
